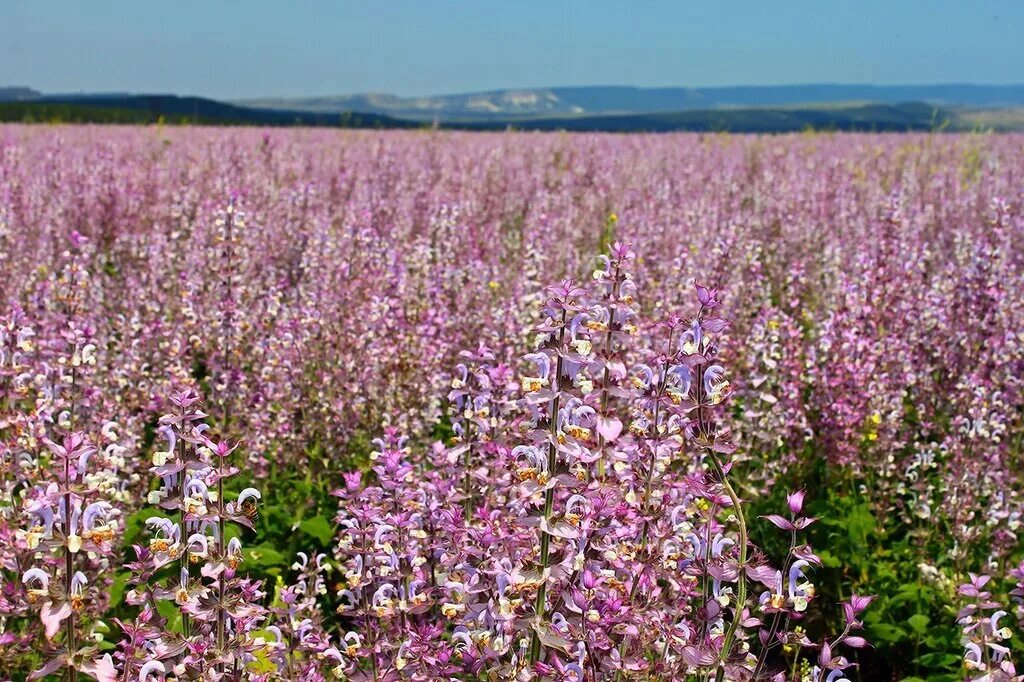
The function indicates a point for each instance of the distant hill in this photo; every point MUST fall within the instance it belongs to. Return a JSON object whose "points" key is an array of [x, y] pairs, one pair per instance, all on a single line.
{"points": [[116, 108], [17, 93], [601, 100], [908, 117], [59, 112], [540, 111]]}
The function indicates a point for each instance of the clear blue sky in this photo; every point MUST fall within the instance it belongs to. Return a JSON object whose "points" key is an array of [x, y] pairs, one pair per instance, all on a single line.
{"points": [[416, 47]]}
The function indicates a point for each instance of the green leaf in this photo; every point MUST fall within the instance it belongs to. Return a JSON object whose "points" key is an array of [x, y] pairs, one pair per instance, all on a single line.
{"points": [[938, 660], [320, 528], [134, 524], [262, 663], [117, 589], [860, 523], [829, 560], [918, 623], [265, 558], [170, 611], [884, 633]]}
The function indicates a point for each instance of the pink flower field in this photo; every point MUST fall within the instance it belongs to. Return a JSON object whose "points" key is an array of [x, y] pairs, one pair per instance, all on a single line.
{"points": [[311, 405]]}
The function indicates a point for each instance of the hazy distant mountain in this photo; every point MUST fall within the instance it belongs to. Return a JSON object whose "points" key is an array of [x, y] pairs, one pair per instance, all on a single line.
{"points": [[444, 107], [603, 100], [130, 108], [17, 93], [912, 116], [613, 109]]}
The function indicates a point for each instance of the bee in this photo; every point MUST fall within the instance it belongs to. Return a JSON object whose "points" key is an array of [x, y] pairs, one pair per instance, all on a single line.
{"points": [[250, 510]]}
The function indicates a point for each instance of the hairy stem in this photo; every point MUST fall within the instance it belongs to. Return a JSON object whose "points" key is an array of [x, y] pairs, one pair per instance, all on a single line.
{"points": [[549, 502], [741, 580]]}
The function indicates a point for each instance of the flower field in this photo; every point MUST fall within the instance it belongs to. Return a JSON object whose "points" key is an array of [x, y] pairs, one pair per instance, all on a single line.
{"points": [[417, 405]]}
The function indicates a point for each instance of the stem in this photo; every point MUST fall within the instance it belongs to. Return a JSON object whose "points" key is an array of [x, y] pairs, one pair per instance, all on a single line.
{"points": [[69, 571], [741, 581], [403, 566], [226, 405], [69, 558], [229, 315], [762, 658], [371, 635], [549, 501], [182, 454], [221, 625], [706, 558], [648, 480], [288, 656], [467, 478], [612, 326], [433, 568]]}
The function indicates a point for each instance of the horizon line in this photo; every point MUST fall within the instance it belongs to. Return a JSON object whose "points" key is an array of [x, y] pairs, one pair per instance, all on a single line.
{"points": [[525, 89]]}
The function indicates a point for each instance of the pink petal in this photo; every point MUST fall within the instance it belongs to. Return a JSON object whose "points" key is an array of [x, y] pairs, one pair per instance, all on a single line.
{"points": [[52, 619], [781, 522], [52, 666], [609, 428], [102, 669], [713, 325]]}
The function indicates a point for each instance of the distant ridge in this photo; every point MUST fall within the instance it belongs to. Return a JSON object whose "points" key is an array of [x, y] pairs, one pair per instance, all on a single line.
{"points": [[603, 100], [174, 109], [907, 117], [18, 93], [576, 109]]}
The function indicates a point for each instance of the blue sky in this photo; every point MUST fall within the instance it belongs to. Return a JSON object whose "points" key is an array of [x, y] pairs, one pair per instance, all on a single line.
{"points": [[304, 47]]}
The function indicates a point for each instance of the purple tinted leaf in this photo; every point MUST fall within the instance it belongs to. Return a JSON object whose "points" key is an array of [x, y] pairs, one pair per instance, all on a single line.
{"points": [[780, 521]]}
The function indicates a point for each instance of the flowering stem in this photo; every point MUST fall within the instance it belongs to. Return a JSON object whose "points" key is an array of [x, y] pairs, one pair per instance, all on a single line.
{"points": [[221, 543], [371, 635], [545, 539], [433, 566], [549, 502], [403, 567], [648, 480], [69, 570], [69, 558], [769, 640], [706, 556], [467, 478], [608, 340], [229, 303], [182, 453], [741, 582]]}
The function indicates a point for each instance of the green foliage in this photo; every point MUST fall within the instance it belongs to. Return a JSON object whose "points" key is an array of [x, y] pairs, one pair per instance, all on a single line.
{"points": [[972, 163], [117, 589], [265, 560], [607, 238], [45, 112], [912, 622], [171, 612], [319, 528]]}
